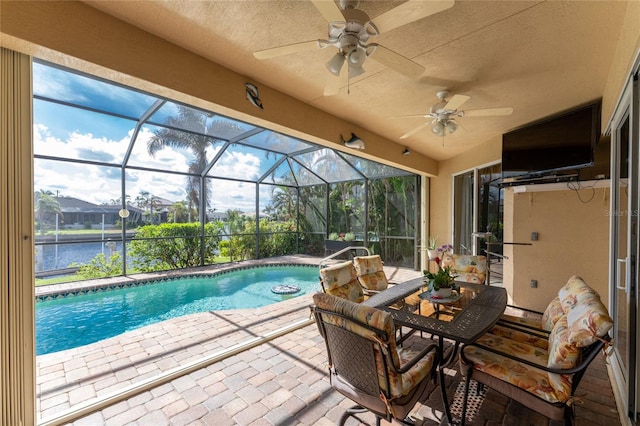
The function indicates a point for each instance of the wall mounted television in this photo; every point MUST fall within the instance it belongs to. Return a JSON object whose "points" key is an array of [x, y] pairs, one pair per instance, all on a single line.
{"points": [[559, 143]]}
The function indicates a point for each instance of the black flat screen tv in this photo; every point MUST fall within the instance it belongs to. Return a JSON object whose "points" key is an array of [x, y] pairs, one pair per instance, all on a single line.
{"points": [[562, 142]]}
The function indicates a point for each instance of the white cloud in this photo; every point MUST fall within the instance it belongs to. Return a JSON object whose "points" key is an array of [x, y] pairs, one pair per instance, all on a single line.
{"points": [[101, 184]]}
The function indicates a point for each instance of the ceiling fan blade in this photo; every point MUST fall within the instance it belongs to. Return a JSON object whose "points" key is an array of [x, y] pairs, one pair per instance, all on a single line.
{"points": [[286, 49], [335, 83], [412, 116], [455, 102], [487, 112], [415, 130], [397, 62], [408, 12], [329, 9]]}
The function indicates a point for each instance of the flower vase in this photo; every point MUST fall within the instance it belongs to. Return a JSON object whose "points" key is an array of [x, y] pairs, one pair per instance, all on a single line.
{"points": [[443, 292], [432, 253]]}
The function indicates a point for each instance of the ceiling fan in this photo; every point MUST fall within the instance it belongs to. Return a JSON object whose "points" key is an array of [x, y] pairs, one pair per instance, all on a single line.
{"points": [[350, 30], [442, 115]]}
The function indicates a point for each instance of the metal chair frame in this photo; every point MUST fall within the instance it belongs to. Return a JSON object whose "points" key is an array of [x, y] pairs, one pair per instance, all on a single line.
{"points": [[345, 346]]}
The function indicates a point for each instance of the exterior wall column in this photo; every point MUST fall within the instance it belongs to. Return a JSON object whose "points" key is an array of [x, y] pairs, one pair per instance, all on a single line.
{"points": [[17, 330]]}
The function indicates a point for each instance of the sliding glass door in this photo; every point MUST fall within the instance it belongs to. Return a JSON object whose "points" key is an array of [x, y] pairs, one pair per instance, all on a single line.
{"points": [[477, 207], [624, 247]]}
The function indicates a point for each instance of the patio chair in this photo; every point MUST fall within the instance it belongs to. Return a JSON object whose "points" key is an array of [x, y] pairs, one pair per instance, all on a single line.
{"points": [[341, 280], [540, 373], [365, 364], [370, 272], [468, 268], [372, 278]]}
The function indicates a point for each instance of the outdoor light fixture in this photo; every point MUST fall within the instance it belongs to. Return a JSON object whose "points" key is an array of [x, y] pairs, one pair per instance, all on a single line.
{"points": [[443, 126], [354, 142], [406, 151], [438, 128], [356, 58], [334, 65]]}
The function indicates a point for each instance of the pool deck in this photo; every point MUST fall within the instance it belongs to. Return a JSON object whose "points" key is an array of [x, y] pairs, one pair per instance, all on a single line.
{"points": [[278, 382]]}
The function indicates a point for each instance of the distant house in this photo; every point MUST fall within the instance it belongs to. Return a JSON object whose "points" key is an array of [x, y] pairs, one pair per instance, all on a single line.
{"points": [[161, 209], [78, 213]]}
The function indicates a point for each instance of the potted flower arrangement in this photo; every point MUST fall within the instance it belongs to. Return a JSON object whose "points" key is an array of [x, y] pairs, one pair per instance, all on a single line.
{"points": [[432, 250], [442, 282]]}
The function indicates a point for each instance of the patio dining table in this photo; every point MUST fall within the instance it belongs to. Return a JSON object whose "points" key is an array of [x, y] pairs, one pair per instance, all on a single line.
{"points": [[461, 320]]}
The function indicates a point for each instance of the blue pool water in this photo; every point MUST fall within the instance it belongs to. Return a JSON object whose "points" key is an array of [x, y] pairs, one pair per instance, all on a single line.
{"points": [[79, 320]]}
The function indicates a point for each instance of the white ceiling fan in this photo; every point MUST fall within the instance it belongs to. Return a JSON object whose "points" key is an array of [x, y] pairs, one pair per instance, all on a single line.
{"points": [[441, 116], [350, 30]]}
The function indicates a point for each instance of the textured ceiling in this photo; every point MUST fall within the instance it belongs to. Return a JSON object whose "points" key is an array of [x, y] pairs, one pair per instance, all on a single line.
{"points": [[538, 57]]}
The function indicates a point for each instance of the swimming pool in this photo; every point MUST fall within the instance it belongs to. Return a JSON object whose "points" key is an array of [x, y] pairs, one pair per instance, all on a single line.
{"points": [[73, 321]]}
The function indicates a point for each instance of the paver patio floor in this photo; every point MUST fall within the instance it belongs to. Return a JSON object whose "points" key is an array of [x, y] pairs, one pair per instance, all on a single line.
{"points": [[279, 382]]}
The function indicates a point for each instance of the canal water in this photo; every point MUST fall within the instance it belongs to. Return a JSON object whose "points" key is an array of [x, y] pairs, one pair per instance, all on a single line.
{"points": [[60, 256]]}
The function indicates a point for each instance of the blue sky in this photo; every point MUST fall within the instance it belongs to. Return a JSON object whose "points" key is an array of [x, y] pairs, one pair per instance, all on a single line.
{"points": [[66, 132]]}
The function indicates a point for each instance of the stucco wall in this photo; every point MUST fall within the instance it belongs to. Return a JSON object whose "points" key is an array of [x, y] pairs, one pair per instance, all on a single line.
{"points": [[573, 230], [625, 56]]}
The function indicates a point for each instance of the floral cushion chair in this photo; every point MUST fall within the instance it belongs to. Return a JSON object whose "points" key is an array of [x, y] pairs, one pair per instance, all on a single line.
{"points": [[468, 268], [542, 373], [370, 272], [366, 365], [340, 280]]}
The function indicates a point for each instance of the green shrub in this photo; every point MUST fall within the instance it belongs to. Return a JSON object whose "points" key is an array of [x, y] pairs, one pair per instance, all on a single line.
{"points": [[100, 266], [173, 245]]}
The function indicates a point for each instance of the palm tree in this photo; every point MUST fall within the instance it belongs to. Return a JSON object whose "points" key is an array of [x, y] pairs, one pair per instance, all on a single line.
{"points": [[197, 141], [235, 221], [46, 207], [178, 212], [146, 200], [283, 203]]}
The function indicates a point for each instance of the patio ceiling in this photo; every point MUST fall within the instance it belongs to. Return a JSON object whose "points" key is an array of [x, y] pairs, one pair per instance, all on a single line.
{"points": [[539, 57]]}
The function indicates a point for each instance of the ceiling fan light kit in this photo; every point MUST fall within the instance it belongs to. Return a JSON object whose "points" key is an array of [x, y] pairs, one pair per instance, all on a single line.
{"points": [[349, 31], [334, 65], [444, 113]]}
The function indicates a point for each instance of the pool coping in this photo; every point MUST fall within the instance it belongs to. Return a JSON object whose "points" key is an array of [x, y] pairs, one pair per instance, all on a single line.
{"points": [[78, 288]]}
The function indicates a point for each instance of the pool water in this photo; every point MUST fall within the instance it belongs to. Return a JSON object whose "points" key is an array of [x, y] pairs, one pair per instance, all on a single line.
{"points": [[79, 320]]}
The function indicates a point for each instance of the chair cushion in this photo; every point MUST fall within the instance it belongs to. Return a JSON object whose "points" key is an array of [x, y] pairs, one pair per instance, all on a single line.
{"points": [[370, 272], [520, 336], [468, 268], [548, 386], [341, 281], [573, 292], [588, 321], [562, 353], [416, 374], [528, 350], [551, 314]]}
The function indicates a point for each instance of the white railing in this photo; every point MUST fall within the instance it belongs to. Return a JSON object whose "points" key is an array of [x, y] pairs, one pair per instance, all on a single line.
{"points": [[344, 250]]}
